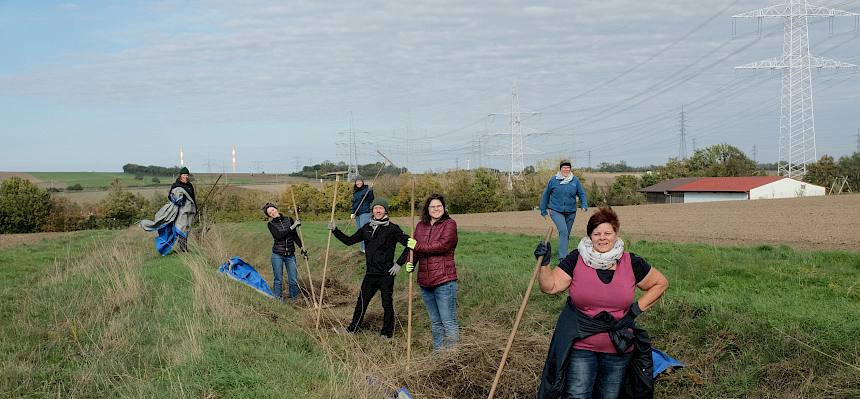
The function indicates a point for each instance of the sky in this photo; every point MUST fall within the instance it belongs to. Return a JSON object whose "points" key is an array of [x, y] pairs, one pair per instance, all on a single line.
{"points": [[93, 85]]}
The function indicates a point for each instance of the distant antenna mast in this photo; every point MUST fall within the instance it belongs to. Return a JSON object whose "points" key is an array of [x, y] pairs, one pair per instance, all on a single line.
{"points": [[181, 156], [234, 158], [682, 149]]}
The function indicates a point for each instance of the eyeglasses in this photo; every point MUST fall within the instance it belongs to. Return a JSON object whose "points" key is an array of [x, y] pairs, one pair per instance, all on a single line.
{"points": [[436, 206]]}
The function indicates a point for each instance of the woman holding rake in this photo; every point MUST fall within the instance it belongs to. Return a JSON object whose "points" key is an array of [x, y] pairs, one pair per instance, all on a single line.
{"points": [[597, 350], [436, 240]]}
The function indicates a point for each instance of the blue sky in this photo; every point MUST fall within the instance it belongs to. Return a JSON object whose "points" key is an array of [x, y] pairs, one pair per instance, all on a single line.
{"points": [[92, 85]]}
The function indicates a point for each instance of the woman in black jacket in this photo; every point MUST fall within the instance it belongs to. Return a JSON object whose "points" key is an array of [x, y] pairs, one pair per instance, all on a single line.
{"points": [[283, 230]]}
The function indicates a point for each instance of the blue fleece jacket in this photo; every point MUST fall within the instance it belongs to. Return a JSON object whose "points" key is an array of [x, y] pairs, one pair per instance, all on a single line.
{"points": [[562, 197], [357, 196]]}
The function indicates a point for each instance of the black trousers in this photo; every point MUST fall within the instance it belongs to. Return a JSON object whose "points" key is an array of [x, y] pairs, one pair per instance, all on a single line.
{"points": [[369, 286]]}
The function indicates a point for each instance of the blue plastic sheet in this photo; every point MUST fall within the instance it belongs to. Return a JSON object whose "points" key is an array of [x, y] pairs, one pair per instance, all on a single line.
{"points": [[662, 361], [244, 273]]}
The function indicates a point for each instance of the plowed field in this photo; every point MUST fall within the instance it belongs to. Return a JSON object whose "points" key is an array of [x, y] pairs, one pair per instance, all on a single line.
{"points": [[807, 223]]}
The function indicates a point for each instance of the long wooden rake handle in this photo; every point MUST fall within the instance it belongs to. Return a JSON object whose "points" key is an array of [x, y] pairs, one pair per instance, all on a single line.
{"points": [[327, 247], [411, 259], [517, 320], [307, 264]]}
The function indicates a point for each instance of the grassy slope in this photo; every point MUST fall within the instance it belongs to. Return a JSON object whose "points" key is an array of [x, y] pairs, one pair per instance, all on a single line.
{"points": [[171, 327]]}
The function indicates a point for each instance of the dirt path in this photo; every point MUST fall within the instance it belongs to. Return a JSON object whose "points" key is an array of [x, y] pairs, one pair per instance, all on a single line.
{"points": [[807, 223]]}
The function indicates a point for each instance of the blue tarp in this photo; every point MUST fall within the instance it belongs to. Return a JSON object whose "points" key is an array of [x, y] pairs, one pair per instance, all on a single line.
{"points": [[166, 237], [662, 361], [241, 271]]}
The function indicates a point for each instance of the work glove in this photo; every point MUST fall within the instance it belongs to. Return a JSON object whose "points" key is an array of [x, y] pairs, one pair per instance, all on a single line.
{"points": [[304, 252], [545, 250], [627, 320], [543, 212], [409, 267], [352, 216], [295, 224], [332, 226], [394, 269], [411, 243]]}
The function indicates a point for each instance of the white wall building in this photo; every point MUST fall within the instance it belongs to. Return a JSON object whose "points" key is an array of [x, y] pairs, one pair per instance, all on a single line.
{"points": [[707, 189]]}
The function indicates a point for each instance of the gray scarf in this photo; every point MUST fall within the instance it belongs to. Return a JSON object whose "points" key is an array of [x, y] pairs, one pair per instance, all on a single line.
{"points": [[564, 180], [600, 260], [376, 223]]}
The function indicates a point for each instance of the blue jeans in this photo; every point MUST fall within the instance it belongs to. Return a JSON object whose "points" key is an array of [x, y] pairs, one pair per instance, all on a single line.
{"points": [[564, 224], [441, 304], [278, 263], [600, 373], [360, 220]]}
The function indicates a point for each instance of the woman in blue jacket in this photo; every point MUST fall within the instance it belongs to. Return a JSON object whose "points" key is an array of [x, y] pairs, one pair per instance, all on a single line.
{"points": [[362, 197], [559, 201]]}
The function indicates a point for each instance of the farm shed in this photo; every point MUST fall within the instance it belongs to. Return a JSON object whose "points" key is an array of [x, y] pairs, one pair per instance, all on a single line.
{"points": [[706, 189]]}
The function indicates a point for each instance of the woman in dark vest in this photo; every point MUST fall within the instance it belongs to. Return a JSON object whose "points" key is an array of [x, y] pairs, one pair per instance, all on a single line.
{"points": [[436, 240], [362, 197], [285, 237], [597, 351]]}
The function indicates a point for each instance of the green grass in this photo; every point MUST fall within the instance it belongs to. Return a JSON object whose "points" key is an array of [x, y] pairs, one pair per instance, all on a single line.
{"points": [[85, 319], [96, 179]]}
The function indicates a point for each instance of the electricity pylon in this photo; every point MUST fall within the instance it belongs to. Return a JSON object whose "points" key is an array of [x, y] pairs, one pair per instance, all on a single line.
{"points": [[796, 120], [516, 133]]}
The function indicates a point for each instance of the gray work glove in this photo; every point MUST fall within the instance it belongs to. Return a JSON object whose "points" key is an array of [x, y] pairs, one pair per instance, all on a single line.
{"points": [[332, 226], [394, 269], [295, 224]]}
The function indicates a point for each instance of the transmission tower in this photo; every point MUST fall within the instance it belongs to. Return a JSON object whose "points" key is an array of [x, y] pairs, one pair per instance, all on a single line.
{"points": [[351, 142], [858, 140], [682, 148], [516, 133], [796, 120]]}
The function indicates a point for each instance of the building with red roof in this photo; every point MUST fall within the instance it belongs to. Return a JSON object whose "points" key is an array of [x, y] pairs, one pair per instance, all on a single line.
{"points": [[706, 189]]}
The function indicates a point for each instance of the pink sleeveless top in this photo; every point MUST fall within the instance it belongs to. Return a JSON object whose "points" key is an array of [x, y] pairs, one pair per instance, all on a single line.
{"points": [[591, 296]]}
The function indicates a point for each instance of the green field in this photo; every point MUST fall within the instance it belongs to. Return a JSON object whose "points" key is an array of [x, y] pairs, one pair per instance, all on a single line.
{"points": [[99, 314], [91, 180]]}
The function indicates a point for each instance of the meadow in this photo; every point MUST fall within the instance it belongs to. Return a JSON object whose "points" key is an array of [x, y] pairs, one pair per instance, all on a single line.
{"points": [[97, 313]]}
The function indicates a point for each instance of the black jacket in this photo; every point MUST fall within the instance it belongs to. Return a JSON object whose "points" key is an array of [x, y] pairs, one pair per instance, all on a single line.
{"points": [[574, 325], [285, 239], [379, 246], [187, 186]]}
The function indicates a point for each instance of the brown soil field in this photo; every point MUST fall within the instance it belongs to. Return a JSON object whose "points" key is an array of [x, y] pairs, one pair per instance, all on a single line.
{"points": [[604, 178], [6, 175], [822, 223]]}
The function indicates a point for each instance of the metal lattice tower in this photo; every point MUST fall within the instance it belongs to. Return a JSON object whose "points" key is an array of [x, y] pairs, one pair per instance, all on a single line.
{"points": [[796, 120], [682, 148], [351, 143], [516, 133]]}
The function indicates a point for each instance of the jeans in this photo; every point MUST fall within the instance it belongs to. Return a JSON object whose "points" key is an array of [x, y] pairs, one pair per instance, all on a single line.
{"points": [[278, 263], [360, 220], [441, 304], [600, 373], [369, 286], [564, 224]]}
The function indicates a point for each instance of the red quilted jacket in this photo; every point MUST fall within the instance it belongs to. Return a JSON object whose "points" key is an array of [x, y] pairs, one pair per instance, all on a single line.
{"points": [[434, 253]]}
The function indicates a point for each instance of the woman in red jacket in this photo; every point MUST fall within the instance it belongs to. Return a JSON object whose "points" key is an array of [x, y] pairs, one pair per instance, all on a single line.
{"points": [[436, 236]]}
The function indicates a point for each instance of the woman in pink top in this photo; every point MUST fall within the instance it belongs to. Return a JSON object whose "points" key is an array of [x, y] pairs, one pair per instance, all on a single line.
{"points": [[601, 279]]}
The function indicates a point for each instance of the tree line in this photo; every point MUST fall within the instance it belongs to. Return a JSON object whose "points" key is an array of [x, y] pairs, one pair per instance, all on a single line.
{"points": [[151, 170], [367, 171]]}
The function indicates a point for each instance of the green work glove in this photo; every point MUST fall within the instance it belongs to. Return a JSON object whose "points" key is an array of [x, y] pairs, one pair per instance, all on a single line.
{"points": [[411, 243], [409, 267]]}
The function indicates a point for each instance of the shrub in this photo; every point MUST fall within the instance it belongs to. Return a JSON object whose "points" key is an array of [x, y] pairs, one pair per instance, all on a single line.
{"points": [[24, 207], [156, 180], [74, 187]]}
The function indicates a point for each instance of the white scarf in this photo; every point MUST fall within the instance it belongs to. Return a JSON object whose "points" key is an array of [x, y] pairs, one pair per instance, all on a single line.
{"points": [[376, 223], [600, 260], [564, 180]]}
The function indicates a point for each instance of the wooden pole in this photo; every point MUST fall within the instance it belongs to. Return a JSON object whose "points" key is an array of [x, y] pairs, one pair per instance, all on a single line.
{"points": [[302, 239], [519, 317], [411, 259], [327, 247]]}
